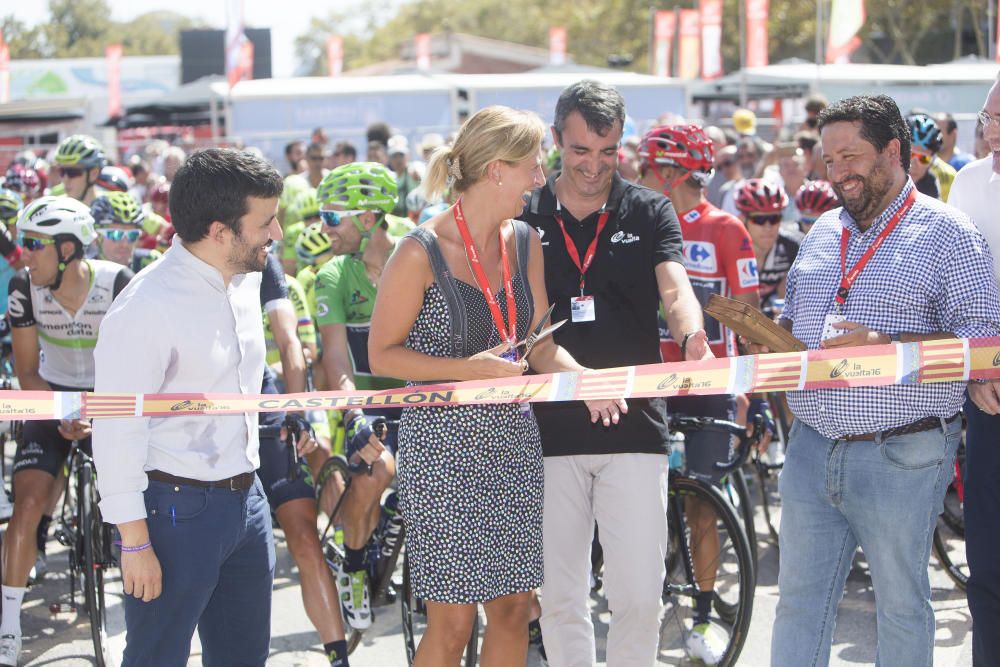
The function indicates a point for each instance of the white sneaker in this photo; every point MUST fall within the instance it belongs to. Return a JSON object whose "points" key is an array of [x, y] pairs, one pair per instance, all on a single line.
{"points": [[10, 649], [354, 602], [704, 645]]}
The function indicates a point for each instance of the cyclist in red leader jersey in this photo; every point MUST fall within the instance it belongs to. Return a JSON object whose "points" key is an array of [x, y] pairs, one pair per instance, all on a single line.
{"points": [[718, 255]]}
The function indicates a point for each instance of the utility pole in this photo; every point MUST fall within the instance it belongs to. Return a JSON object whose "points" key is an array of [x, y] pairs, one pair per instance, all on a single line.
{"points": [[743, 52]]}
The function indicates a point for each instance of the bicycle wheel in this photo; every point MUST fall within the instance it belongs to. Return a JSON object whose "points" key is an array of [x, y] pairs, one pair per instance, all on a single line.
{"points": [[415, 622], [94, 548], [731, 566], [743, 502]]}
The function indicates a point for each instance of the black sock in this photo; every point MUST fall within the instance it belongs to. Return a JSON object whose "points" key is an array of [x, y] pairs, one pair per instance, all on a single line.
{"points": [[702, 607], [43, 533], [336, 653], [354, 559]]}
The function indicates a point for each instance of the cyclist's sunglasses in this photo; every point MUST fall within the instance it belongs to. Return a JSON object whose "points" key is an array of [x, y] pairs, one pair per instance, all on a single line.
{"points": [[70, 172], [131, 235], [765, 219], [922, 158], [334, 218], [34, 244]]}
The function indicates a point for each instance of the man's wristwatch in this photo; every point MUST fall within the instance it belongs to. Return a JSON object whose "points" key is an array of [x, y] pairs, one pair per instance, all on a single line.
{"points": [[687, 337]]}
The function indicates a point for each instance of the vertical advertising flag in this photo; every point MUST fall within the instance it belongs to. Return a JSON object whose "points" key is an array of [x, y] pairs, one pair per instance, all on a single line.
{"points": [[4, 72], [846, 19], [422, 44], [234, 41], [557, 45], [335, 54], [664, 27], [113, 57], [711, 39], [756, 33], [689, 45], [246, 60]]}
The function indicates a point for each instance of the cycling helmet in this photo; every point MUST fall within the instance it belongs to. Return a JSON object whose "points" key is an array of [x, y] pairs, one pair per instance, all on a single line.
{"points": [[312, 243], [114, 179], [159, 194], [23, 180], [816, 197], [10, 205], [79, 150], [760, 197], [303, 207], [684, 146], [59, 216], [117, 208], [924, 133], [368, 186]]}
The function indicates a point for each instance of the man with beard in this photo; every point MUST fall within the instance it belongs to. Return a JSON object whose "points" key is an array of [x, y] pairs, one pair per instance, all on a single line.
{"points": [[976, 192], [869, 466], [195, 526]]}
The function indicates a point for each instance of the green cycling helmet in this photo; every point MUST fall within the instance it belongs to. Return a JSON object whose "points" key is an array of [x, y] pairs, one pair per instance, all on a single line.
{"points": [[303, 207], [119, 208], [364, 186], [79, 150], [312, 243], [10, 205]]}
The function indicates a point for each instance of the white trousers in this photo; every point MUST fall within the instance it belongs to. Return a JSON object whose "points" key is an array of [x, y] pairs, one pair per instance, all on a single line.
{"points": [[627, 495]]}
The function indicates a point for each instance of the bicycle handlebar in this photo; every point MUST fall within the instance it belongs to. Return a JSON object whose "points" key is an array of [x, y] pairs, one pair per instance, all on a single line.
{"points": [[747, 442]]}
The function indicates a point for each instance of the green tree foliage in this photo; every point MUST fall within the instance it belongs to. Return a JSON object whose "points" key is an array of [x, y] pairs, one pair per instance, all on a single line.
{"points": [[897, 31], [81, 28]]}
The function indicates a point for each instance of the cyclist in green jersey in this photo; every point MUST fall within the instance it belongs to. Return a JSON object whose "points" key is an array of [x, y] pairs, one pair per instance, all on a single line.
{"points": [[354, 200]]}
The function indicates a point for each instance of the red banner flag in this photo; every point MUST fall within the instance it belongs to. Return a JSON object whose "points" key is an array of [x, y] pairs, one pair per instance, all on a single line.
{"points": [[113, 56], [335, 54], [689, 46], [711, 39], [4, 72], [665, 25], [847, 17], [557, 45], [422, 45], [234, 41], [756, 33], [246, 60]]}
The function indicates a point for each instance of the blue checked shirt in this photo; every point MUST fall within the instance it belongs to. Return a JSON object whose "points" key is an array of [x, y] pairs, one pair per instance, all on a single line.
{"points": [[933, 273]]}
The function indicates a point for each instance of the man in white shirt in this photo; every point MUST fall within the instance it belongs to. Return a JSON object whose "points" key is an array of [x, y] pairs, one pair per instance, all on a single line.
{"points": [[195, 526], [976, 192]]}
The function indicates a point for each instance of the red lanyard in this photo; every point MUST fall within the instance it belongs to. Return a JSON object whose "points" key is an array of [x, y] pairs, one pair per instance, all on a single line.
{"points": [[510, 333], [574, 254], [847, 278]]}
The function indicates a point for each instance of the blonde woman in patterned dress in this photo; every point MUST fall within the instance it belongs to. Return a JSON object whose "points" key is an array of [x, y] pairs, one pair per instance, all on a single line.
{"points": [[470, 477]]}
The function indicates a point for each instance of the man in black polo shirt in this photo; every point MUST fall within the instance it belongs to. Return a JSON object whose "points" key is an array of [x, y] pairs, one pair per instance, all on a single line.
{"points": [[613, 252]]}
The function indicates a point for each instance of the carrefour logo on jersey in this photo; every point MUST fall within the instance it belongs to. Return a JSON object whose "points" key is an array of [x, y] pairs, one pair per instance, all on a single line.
{"points": [[747, 269], [700, 256]]}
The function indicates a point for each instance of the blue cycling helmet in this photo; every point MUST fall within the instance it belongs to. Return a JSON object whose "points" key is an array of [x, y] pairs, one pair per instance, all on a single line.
{"points": [[924, 133]]}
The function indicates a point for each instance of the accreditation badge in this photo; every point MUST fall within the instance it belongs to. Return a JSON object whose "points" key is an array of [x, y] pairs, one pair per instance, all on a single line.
{"points": [[582, 308]]}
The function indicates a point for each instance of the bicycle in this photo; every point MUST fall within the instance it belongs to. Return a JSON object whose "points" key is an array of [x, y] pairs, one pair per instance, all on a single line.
{"points": [[949, 534], [732, 569], [386, 542], [90, 544]]}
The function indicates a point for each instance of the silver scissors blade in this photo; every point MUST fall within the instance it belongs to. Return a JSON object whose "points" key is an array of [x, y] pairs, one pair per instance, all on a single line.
{"points": [[538, 328], [544, 333]]}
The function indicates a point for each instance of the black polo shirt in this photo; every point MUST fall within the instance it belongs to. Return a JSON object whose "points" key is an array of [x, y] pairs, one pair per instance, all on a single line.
{"points": [[642, 231]]}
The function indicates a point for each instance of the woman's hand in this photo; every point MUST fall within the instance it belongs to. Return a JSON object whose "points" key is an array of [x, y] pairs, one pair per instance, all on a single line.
{"points": [[489, 364], [608, 411]]}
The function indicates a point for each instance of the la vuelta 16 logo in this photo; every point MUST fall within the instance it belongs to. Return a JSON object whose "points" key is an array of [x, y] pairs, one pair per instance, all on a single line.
{"points": [[996, 359], [839, 369]]}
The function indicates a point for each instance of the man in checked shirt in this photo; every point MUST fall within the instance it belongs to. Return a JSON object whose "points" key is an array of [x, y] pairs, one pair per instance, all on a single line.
{"points": [[869, 466]]}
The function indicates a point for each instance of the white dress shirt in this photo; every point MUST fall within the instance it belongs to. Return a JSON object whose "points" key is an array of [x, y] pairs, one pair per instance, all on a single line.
{"points": [[976, 193], [177, 328]]}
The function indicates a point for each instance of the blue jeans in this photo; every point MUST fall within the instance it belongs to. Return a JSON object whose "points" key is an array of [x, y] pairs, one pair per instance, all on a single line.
{"points": [[216, 552], [883, 496]]}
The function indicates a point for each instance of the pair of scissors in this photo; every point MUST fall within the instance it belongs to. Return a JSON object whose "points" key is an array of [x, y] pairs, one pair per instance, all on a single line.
{"points": [[539, 332]]}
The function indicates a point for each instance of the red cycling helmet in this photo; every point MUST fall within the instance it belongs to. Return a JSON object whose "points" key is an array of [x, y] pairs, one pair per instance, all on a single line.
{"points": [[24, 181], [760, 197], [815, 198], [684, 146]]}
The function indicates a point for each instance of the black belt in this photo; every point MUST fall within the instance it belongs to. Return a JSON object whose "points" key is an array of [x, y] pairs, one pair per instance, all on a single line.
{"points": [[919, 426], [240, 482]]}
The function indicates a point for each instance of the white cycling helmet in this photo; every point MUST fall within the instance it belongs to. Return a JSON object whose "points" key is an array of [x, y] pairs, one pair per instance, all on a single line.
{"points": [[56, 216]]}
